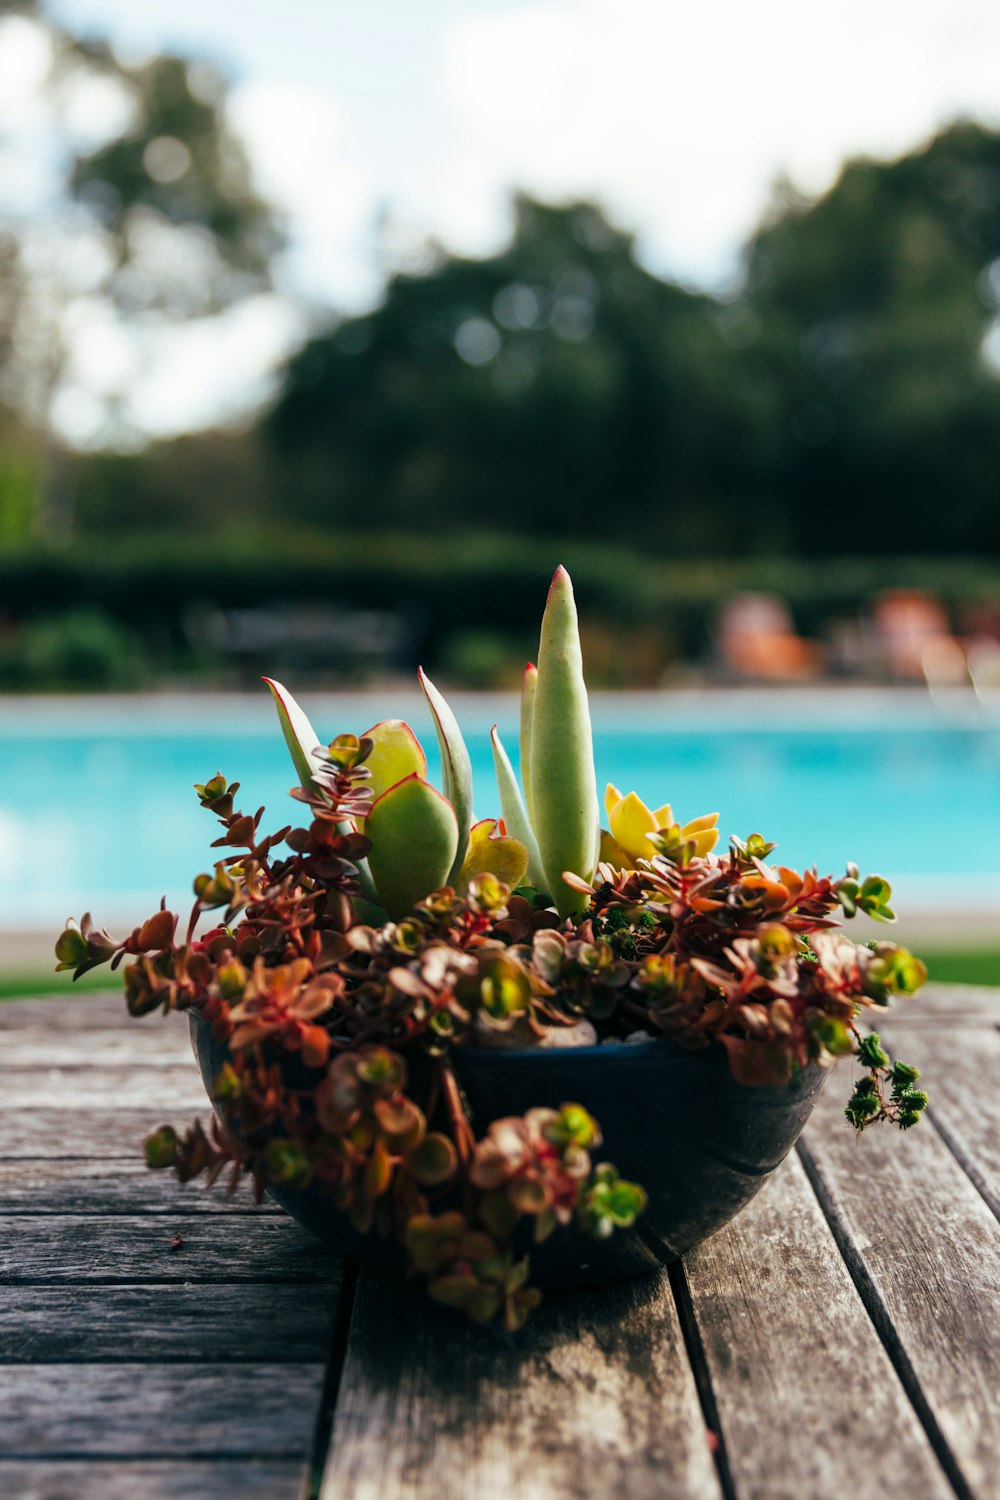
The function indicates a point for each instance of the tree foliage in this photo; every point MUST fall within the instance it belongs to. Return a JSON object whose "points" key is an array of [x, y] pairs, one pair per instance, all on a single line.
{"points": [[534, 389], [142, 215], [844, 397], [559, 386], [868, 312]]}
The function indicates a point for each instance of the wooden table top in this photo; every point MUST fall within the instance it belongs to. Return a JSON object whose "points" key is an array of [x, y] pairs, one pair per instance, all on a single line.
{"points": [[840, 1337]]}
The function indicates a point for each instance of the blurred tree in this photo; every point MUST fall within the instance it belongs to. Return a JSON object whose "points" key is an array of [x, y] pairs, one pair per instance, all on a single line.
{"points": [[847, 395], [138, 214], [554, 386], [844, 398], [200, 485], [872, 316]]}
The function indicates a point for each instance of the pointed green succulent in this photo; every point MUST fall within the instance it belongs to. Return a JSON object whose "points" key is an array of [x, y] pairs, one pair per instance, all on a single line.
{"points": [[515, 814], [303, 741], [422, 839], [561, 772], [528, 682], [300, 737], [456, 767]]}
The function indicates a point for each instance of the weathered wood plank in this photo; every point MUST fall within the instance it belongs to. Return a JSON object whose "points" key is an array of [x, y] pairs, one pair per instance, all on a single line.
{"points": [[96, 1131], [961, 1071], [110, 1429], [113, 1411], [167, 1088], [261, 1479], [924, 1250], [594, 1398], [160, 1324], [959, 1004], [123, 1249], [95, 1011], [132, 1044], [109, 1186], [807, 1399]]}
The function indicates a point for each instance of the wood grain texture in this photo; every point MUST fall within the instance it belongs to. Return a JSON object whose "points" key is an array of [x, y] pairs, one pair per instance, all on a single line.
{"points": [[808, 1402], [159, 1324], [925, 1250], [150, 1043], [261, 1479], [131, 1369], [113, 1411], [960, 1069], [125, 1248], [594, 1398], [110, 1186], [176, 1088], [97, 1130], [100, 1011], [947, 1004]]}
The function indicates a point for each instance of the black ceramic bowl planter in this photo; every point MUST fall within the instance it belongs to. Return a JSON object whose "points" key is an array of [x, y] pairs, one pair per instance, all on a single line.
{"points": [[675, 1120]]}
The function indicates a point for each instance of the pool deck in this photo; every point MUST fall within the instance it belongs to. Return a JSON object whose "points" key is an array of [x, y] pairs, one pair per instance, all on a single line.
{"points": [[840, 1336]]}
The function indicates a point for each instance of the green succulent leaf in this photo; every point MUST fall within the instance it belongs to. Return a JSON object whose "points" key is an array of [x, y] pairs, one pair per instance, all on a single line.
{"points": [[414, 836], [871, 1053], [300, 737], [515, 814], [455, 765], [71, 947], [161, 1147], [396, 754], [492, 852], [434, 1161], [874, 898], [563, 781], [528, 683]]}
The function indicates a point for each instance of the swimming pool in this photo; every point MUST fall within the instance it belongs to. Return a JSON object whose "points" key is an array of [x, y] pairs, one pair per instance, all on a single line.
{"points": [[97, 812]]}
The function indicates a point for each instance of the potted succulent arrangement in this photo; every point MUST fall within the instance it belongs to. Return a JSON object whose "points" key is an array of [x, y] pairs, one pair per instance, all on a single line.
{"points": [[418, 1030]]}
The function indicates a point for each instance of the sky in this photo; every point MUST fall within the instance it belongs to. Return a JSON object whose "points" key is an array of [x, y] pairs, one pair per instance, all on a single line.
{"points": [[422, 118]]}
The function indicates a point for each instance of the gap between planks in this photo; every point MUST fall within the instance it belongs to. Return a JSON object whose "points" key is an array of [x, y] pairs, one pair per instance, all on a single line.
{"points": [[808, 1403], [595, 1397], [961, 1108], [913, 1021], [878, 1313], [924, 1251]]}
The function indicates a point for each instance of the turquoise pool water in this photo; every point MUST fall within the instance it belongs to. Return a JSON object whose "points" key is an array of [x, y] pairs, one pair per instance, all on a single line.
{"points": [[97, 812]]}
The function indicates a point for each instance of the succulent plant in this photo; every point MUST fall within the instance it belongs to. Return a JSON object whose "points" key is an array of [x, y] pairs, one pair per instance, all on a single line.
{"points": [[393, 928], [422, 838]]}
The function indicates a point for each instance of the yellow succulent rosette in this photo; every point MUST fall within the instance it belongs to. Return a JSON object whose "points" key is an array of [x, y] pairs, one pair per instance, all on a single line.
{"points": [[630, 823]]}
